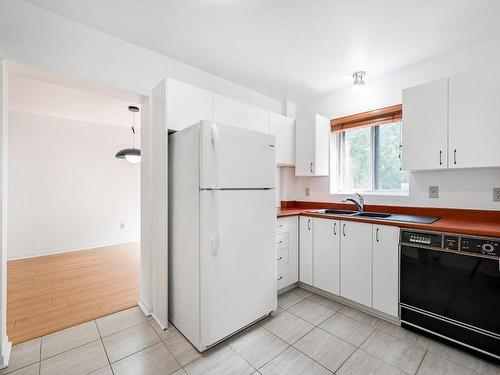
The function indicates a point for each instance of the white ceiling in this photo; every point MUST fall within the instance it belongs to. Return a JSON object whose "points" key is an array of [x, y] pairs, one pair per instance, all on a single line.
{"points": [[290, 48]]}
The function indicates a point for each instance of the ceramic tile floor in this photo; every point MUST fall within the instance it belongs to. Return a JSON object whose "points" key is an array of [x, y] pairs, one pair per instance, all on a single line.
{"points": [[309, 334]]}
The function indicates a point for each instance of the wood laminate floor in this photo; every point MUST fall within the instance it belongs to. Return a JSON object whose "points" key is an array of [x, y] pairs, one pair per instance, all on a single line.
{"points": [[49, 293]]}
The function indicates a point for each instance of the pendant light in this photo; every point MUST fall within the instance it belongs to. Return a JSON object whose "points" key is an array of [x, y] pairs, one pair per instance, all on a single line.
{"points": [[132, 155]]}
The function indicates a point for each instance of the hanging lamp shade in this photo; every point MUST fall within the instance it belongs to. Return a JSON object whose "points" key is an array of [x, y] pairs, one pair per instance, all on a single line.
{"points": [[132, 155]]}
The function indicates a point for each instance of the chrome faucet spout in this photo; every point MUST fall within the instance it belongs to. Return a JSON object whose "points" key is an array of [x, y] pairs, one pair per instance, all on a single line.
{"points": [[359, 205]]}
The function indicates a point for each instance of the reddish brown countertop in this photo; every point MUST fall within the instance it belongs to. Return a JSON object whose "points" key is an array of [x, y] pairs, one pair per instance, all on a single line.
{"points": [[475, 222]]}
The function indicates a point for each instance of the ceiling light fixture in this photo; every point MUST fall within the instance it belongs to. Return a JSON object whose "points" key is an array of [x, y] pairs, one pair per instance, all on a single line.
{"points": [[359, 78], [132, 155]]}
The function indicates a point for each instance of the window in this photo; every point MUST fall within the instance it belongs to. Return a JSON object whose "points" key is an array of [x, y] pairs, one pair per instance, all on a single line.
{"points": [[366, 157]]}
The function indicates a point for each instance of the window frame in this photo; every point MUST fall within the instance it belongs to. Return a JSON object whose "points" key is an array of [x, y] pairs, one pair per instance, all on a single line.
{"points": [[373, 120]]}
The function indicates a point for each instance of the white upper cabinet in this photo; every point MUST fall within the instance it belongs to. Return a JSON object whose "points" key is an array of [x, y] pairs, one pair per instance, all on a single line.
{"points": [[474, 110], [284, 129], [306, 250], [424, 129], [186, 104], [326, 255], [385, 269], [356, 262], [232, 112], [312, 146]]}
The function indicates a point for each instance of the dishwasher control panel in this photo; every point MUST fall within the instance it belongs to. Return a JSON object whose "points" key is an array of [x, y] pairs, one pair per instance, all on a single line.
{"points": [[480, 245], [455, 242]]}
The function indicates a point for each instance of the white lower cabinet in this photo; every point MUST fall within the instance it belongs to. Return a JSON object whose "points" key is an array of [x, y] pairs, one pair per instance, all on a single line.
{"points": [[356, 262], [306, 250], [385, 269], [287, 251], [326, 255]]}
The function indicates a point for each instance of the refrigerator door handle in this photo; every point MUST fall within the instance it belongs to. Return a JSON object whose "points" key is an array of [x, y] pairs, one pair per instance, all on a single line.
{"points": [[214, 138], [214, 133], [215, 241]]}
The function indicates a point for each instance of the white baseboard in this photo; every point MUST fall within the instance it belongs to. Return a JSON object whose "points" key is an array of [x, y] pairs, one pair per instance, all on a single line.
{"points": [[145, 307], [157, 321], [70, 250], [6, 350]]}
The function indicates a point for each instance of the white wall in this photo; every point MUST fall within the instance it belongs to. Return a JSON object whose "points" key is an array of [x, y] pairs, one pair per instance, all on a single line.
{"points": [[464, 188], [67, 191]]}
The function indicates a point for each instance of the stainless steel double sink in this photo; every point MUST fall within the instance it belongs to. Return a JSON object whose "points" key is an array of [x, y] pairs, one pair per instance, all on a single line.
{"points": [[375, 215]]}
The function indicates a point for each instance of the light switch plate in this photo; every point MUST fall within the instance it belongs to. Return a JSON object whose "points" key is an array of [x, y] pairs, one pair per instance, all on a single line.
{"points": [[496, 194], [433, 191], [307, 192]]}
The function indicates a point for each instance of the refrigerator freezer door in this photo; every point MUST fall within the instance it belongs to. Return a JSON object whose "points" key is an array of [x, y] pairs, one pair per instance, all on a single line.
{"points": [[232, 157], [238, 260]]}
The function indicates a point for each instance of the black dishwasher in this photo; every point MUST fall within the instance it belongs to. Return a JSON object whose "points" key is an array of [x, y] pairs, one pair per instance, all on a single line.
{"points": [[450, 287]]}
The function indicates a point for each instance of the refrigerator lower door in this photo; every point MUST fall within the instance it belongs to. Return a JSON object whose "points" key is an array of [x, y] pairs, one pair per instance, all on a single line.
{"points": [[232, 157], [238, 260]]}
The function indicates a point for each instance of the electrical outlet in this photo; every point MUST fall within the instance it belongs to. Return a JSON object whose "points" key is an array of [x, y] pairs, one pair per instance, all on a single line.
{"points": [[307, 192], [496, 194], [122, 225], [433, 191]]}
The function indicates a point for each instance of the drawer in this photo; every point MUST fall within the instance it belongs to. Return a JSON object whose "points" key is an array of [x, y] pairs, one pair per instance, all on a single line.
{"points": [[282, 227], [282, 257], [282, 241]]}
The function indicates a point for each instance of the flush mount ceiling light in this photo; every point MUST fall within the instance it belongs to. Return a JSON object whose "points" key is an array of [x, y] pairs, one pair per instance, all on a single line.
{"points": [[132, 155], [358, 79]]}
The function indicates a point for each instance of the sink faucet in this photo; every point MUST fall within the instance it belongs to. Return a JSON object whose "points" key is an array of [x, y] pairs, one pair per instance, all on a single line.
{"points": [[359, 205]]}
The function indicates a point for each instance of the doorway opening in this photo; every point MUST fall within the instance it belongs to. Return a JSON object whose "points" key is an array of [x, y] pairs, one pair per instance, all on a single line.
{"points": [[73, 207]]}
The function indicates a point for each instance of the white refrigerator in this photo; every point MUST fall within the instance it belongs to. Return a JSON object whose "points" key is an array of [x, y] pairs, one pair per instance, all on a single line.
{"points": [[222, 222]]}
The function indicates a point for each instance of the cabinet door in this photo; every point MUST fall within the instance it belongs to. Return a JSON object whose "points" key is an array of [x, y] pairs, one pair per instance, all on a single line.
{"points": [[186, 105], [306, 250], [322, 146], [385, 269], [304, 146], [356, 262], [475, 120], [326, 255], [284, 129], [425, 126], [232, 112], [312, 146]]}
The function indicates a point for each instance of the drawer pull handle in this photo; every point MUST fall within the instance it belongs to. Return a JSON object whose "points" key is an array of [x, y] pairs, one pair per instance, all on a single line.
{"points": [[280, 278], [280, 241], [280, 225], [280, 258]]}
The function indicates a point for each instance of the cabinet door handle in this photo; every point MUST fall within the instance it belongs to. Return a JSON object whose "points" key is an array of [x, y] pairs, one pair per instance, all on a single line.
{"points": [[440, 157], [343, 229], [279, 278], [308, 224], [454, 156], [280, 258], [376, 234], [334, 229], [311, 167]]}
